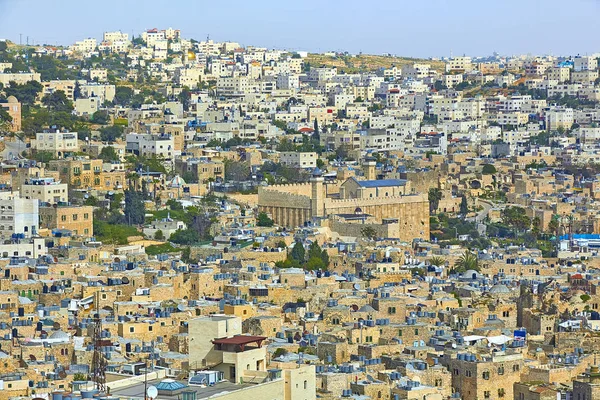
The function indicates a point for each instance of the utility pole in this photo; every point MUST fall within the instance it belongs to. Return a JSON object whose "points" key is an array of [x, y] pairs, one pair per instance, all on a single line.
{"points": [[145, 379]]}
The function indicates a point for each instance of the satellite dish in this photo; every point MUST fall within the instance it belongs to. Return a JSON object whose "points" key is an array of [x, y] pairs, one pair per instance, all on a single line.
{"points": [[152, 392], [32, 357], [357, 286], [62, 374], [56, 326], [181, 307], [125, 280]]}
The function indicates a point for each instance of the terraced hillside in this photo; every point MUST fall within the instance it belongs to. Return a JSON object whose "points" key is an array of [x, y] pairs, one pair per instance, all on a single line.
{"points": [[366, 62]]}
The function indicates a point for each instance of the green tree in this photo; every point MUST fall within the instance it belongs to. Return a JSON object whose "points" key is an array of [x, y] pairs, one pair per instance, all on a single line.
{"points": [[298, 253], [100, 117], [434, 196], [174, 205], [159, 235], [184, 98], [553, 225], [134, 207], [466, 262], [185, 237], [26, 93], [464, 206], [488, 169], [108, 154], [516, 218], [111, 133], [316, 134], [123, 95], [264, 220], [236, 171], [437, 261], [57, 101]]}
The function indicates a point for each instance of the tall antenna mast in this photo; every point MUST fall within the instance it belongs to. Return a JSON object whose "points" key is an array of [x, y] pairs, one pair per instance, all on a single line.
{"points": [[98, 361]]}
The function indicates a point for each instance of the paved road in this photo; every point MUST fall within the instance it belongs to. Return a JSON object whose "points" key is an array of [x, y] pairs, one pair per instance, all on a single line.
{"points": [[481, 215], [13, 149]]}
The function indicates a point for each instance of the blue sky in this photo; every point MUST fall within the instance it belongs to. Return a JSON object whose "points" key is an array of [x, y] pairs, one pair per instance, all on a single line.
{"points": [[420, 28]]}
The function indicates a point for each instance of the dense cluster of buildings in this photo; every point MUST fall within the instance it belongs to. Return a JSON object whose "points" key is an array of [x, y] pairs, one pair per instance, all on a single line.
{"points": [[427, 230]]}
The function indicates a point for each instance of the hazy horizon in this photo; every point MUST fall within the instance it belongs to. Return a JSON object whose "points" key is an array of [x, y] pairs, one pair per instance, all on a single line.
{"points": [[437, 28]]}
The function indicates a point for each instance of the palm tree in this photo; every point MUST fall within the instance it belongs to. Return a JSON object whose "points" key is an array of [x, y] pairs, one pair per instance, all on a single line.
{"points": [[437, 261], [466, 262]]}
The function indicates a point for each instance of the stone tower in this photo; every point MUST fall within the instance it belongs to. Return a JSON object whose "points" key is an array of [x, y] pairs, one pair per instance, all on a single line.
{"points": [[317, 200], [369, 169]]}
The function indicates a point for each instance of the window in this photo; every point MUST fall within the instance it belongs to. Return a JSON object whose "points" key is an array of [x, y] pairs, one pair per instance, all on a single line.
{"points": [[63, 218], [486, 394], [486, 375], [150, 328], [515, 367], [74, 217], [131, 329], [416, 331], [501, 370], [500, 392], [391, 310]]}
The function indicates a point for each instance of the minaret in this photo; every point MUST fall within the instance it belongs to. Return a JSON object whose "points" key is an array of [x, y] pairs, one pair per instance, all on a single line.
{"points": [[317, 204], [369, 170]]}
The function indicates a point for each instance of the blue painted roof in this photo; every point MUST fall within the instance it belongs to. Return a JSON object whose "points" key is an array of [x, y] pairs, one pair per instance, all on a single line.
{"points": [[382, 183]]}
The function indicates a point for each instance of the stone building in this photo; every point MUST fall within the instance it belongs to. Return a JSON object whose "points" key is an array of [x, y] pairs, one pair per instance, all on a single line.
{"points": [[486, 378], [385, 201]]}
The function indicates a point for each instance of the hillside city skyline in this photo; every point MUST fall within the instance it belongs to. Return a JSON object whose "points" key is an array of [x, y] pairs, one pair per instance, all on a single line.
{"points": [[413, 29], [185, 217]]}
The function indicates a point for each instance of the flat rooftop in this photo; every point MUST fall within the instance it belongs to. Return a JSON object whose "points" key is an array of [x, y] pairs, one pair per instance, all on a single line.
{"points": [[136, 391]]}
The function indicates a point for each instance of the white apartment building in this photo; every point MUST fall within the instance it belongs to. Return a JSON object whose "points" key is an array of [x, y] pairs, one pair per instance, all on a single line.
{"points": [[148, 145], [87, 107], [151, 36], [85, 46], [99, 74], [18, 216], [585, 63], [288, 82], [19, 78], [416, 71], [299, 160], [234, 85], [57, 142], [104, 92], [559, 117], [45, 190], [459, 64], [561, 74], [115, 36]]}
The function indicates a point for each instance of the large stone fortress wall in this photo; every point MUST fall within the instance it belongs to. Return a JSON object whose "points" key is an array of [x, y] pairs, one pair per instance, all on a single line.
{"points": [[294, 204]]}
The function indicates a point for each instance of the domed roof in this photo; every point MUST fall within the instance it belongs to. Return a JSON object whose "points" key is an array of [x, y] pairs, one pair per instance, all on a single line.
{"points": [[59, 335], [177, 181], [499, 288], [12, 99], [469, 274]]}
